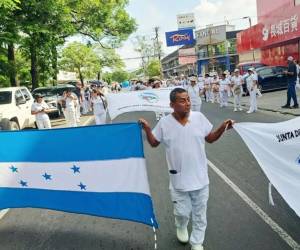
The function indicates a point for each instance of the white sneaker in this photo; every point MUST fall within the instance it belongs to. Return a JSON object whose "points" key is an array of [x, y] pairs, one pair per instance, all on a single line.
{"points": [[249, 112], [197, 247], [182, 235], [235, 110], [240, 109]]}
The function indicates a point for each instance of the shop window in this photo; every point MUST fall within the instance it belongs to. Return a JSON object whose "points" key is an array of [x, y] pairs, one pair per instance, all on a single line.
{"points": [[297, 2]]}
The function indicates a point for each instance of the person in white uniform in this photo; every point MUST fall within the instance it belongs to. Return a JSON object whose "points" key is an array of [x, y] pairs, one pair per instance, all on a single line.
{"points": [[71, 101], [207, 88], [184, 134], [237, 86], [251, 81], [224, 88], [40, 108], [99, 106], [194, 92]]}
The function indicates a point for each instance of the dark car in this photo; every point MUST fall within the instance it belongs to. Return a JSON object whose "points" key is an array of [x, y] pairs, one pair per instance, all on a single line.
{"points": [[270, 78], [243, 67]]}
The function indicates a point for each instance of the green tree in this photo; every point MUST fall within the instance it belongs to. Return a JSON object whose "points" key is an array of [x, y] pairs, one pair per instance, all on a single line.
{"points": [[119, 76], [153, 68], [81, 59]]}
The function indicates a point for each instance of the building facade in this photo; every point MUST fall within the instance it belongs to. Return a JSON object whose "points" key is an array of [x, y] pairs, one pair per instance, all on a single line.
{"points": [[216, 49], [275, 37], [183, 61]]}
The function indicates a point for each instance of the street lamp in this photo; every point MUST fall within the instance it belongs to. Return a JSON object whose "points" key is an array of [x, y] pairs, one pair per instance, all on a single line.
{"points": [[250, 23]]}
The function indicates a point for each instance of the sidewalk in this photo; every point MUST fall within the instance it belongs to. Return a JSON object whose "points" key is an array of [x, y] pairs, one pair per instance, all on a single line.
{"points": [[272, 101]]}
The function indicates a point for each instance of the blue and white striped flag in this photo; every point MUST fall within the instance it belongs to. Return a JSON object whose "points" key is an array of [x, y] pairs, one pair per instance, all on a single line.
{"points": [[97, 170]]}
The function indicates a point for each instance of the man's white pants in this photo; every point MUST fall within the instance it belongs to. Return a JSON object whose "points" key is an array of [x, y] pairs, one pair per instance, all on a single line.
{"points": [[194, 202], [78, 111], [196, 108], [223, 98], [70, 115], [43, 123], [237, 100], [253, 102], [100, 118], [85, 106]]}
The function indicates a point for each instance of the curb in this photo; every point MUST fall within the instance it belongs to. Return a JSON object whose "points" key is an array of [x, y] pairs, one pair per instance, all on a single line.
{"points": [[271, 110]]}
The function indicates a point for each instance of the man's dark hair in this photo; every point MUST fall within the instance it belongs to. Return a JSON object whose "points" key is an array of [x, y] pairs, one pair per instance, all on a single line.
{"points": [[174, 92]]}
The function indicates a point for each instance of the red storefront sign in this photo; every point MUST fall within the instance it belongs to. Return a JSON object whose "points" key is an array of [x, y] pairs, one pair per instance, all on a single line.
{"points": [[279, 26]]}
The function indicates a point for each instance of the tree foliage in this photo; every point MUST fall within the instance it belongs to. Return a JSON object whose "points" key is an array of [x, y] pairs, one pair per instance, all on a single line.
{"points": [[40, 27]]}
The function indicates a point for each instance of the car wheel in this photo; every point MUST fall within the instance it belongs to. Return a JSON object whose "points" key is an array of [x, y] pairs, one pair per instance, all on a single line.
{"points": [[260, 88], [6, 124]]}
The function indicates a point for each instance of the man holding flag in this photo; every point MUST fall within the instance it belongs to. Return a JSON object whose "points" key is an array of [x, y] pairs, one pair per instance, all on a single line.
{"points": [[184, 134]]}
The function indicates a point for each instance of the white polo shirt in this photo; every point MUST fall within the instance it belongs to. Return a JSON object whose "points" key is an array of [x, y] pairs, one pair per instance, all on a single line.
{"points": [[224, 84], [185, 150], [194, 94], [39, 107]]}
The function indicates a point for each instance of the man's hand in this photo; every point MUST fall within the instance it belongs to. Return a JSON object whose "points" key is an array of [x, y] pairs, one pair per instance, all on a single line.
{"points": [[144, 123], [228, 124], [150, 137]]}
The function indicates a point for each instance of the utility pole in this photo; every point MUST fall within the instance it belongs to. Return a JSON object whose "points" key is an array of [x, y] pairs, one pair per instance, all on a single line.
{"points": [[157, 48]]}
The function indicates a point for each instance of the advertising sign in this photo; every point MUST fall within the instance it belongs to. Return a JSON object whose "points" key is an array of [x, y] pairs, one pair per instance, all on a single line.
{"points": [[187, 56], [211, 35], [180, 37], [186, 21]]}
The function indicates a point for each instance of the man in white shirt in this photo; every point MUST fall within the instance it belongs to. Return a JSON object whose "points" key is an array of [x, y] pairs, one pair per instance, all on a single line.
{"points": [[194, 92], [184, 134], [40, 109], [237, 85], [224, 89], [251, 81]]}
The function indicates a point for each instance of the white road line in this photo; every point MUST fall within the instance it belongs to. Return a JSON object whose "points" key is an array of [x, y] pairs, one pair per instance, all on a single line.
{"points": [[88, 121], [275, 227], [5, 211]]}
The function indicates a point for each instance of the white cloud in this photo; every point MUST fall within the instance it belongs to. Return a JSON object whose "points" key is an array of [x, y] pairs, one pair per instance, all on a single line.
{"points": [[148, 15], [217, 11]]}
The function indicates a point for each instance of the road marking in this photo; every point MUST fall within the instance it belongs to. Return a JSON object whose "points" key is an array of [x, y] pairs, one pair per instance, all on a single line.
{"points": [[3, 213], [274, 226], [88, 121]]}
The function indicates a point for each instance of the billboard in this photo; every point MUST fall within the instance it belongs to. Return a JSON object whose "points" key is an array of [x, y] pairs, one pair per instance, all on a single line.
{"points": [[186, 21], [180, 37], [211, 35], [187, 56]]}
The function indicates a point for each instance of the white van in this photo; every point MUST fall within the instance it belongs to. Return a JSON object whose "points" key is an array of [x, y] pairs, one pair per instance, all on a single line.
{"points": [[15, 108]]}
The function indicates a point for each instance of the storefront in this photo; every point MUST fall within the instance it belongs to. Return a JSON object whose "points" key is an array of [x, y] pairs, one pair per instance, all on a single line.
{"points": [[275, 37], [216, 49]]}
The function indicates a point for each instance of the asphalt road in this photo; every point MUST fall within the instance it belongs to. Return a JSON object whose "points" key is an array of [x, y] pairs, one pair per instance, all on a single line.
{"points": [[232, 224]]}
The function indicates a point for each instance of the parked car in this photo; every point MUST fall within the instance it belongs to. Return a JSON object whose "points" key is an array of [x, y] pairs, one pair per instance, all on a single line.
{"points": [[270, 78], [15, 108], [243, 67], [52, 96]]}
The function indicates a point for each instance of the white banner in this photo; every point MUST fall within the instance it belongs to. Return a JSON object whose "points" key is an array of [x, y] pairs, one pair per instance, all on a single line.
{"points": [[276, 147], [146, 100]]}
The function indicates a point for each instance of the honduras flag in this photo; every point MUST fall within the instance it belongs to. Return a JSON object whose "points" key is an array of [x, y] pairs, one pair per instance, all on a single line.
{"points": [[96, 170]]}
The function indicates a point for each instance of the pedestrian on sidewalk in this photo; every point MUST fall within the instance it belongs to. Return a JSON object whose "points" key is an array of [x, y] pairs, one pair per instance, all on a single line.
{"points": [[224, 89], [292, 78], [40, 109], [99, 106], [194, 92], [251, 81], [184, 134], [237, 83], [79, 92]]}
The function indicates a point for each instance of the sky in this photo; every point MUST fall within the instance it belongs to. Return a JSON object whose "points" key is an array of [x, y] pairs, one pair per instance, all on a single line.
{"points": [[162, 13]]}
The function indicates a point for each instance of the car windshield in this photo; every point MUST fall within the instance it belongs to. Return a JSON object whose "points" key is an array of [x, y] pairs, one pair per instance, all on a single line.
{"points": [[44, 92], [60, 91], [5, 97]]}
